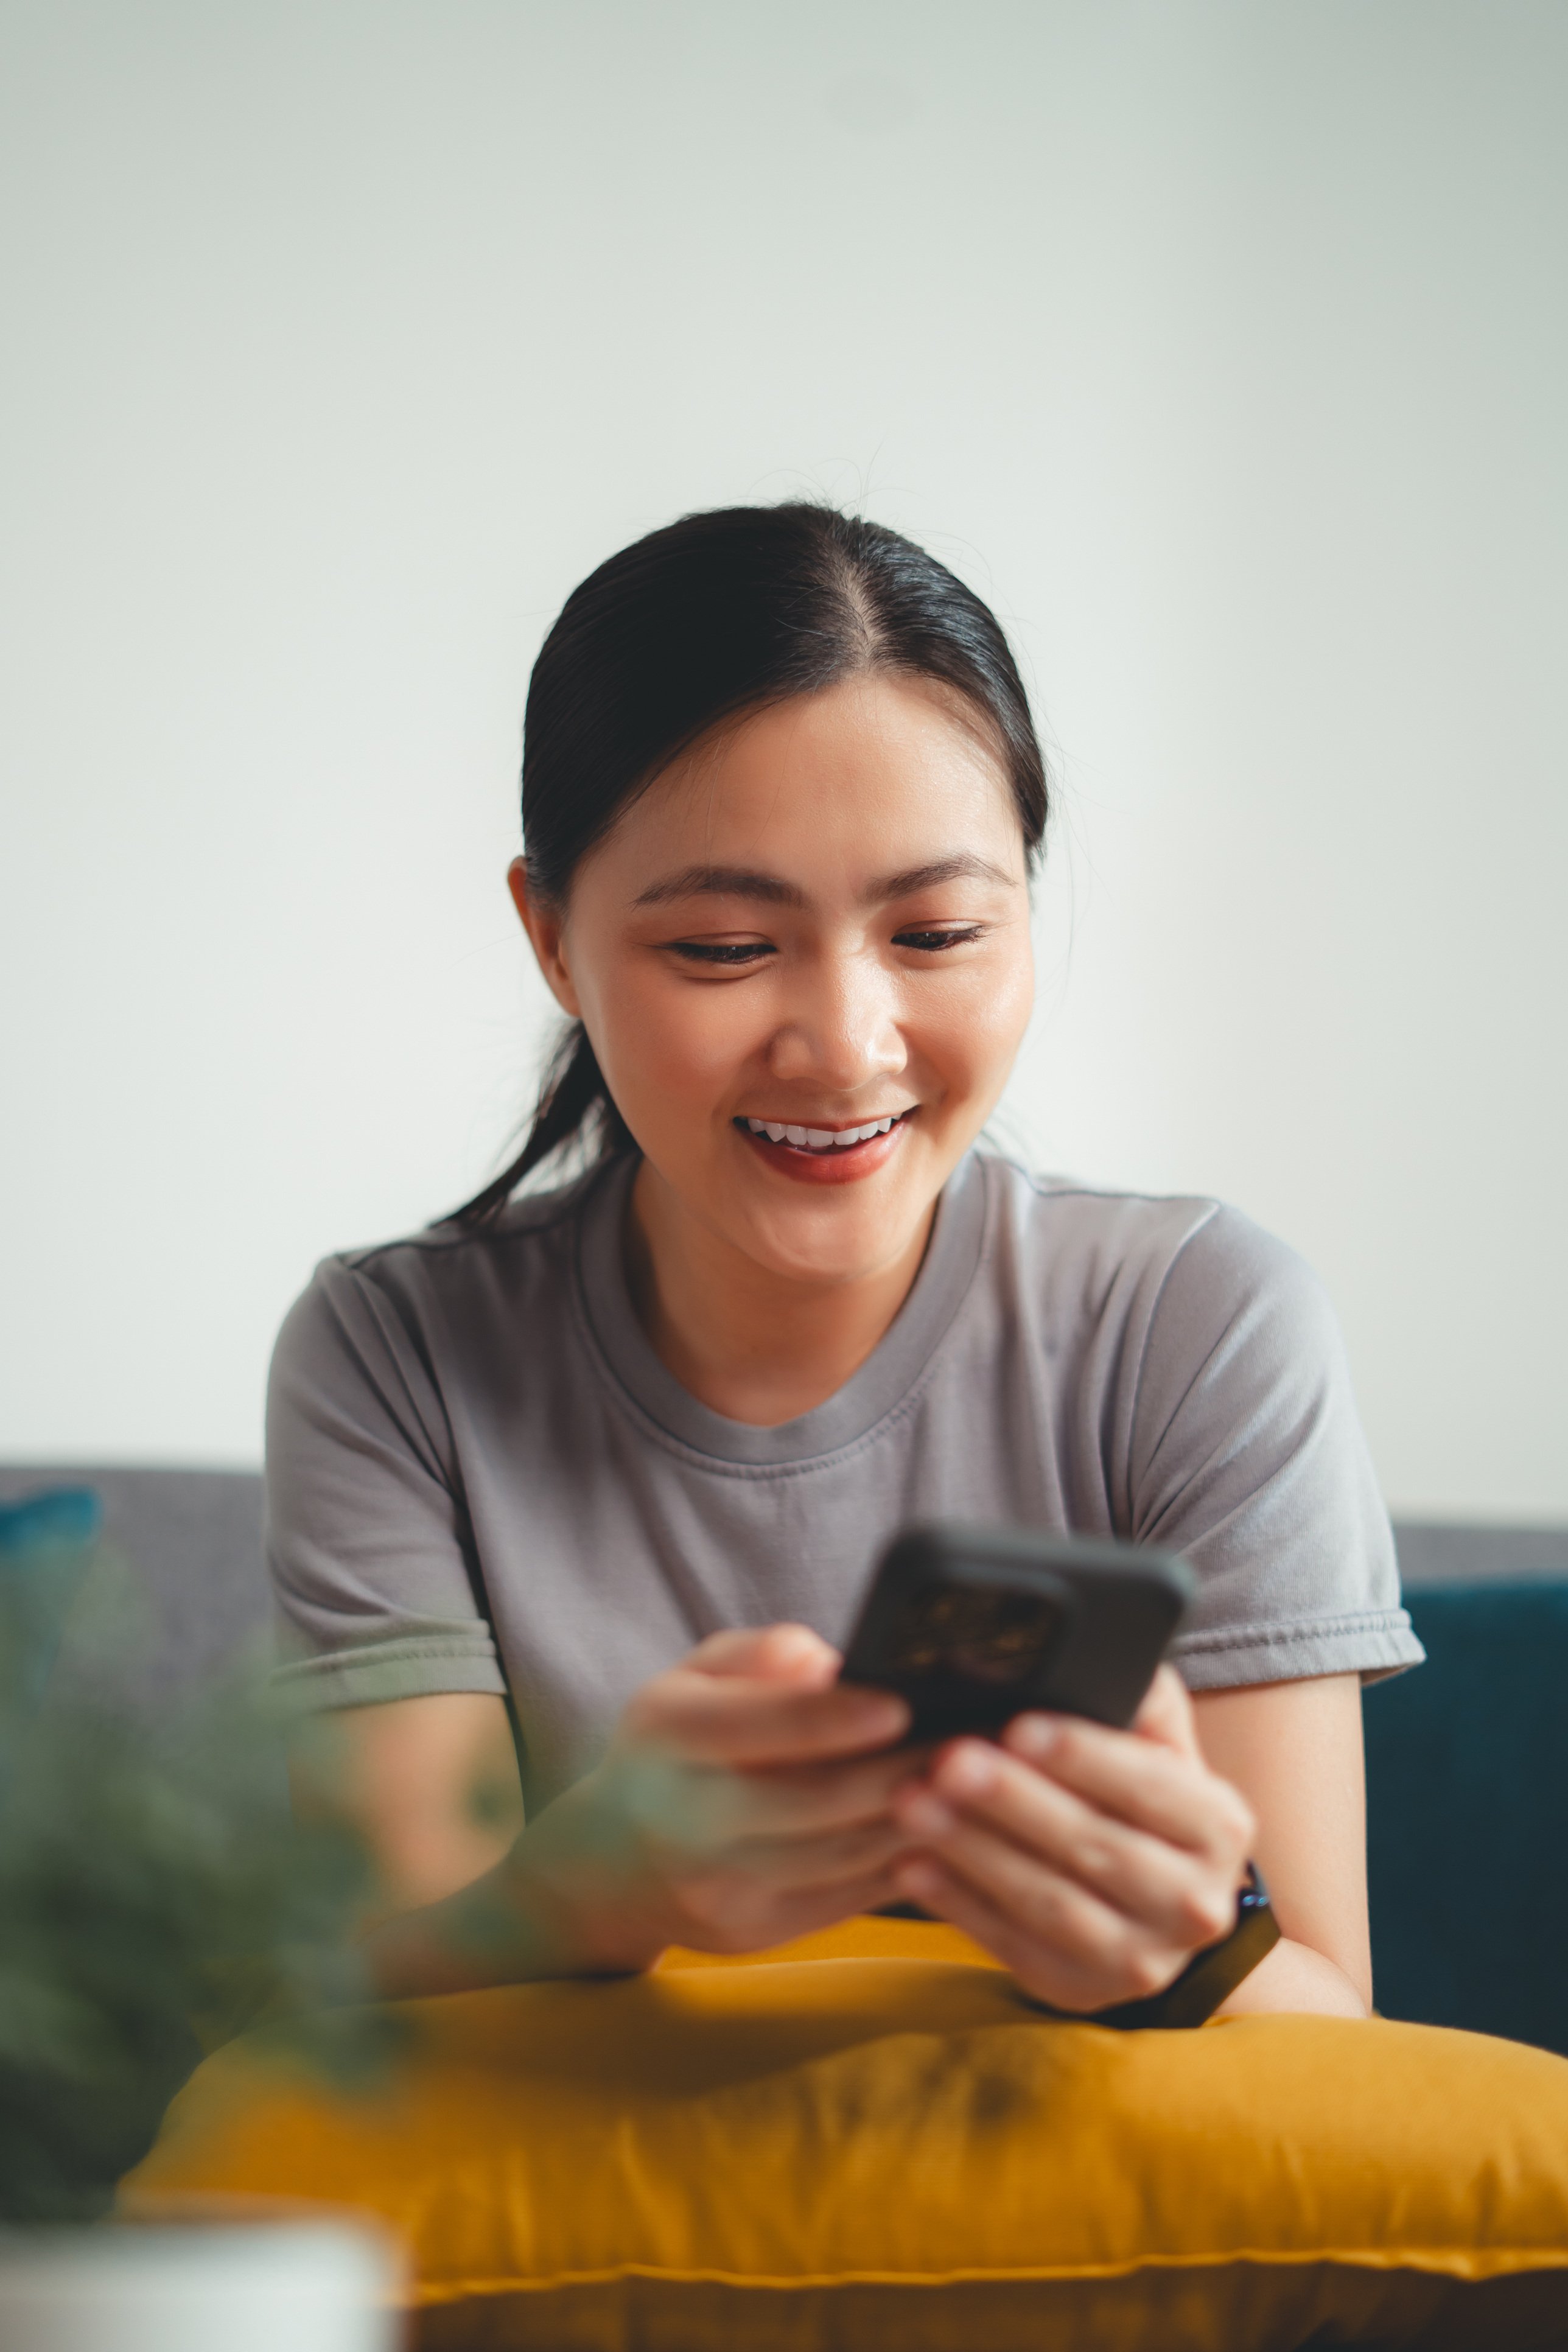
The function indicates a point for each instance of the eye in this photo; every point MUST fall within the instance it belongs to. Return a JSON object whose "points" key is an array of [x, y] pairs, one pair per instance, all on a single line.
{"points": [[721, 952], [933, 943]]}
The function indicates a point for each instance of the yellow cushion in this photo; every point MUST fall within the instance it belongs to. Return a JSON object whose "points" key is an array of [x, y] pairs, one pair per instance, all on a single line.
{"points": [[868, 2141]]}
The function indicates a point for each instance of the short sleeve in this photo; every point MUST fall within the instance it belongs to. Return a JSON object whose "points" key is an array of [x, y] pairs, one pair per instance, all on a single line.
{"points": [[367, 1539], [1247, 1456]]}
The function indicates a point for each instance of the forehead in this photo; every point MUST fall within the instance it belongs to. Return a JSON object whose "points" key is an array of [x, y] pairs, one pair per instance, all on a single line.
{"points": [[878, 770]]}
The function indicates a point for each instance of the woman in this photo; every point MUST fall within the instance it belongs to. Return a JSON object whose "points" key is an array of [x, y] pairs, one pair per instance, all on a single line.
{"points": [[573, 1495]]}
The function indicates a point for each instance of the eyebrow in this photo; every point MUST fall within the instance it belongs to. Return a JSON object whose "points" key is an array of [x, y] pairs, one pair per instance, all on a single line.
{"points": [[746, 882]]}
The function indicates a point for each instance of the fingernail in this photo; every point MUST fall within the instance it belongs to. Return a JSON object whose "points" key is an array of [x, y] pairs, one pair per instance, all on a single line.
{"points": [[788, 1641], [966, 1772], [916, 1878], [1033, 1735]]}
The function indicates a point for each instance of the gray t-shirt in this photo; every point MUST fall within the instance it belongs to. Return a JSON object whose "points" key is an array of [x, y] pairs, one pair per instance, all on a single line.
{"points": [[480, 1478]]}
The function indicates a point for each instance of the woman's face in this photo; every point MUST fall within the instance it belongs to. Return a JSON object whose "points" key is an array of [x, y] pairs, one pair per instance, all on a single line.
{"points": [[813, 928]]}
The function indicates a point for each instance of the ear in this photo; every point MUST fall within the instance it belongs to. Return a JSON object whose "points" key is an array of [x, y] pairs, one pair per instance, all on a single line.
{"points": [[546, 927]]}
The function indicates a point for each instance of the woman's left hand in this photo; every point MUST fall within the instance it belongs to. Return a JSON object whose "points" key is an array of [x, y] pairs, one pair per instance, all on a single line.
{"points": [[1092, 1863]]}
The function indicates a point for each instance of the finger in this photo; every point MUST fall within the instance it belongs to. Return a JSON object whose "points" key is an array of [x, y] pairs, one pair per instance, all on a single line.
{"points": [[789, 1654], [823, 1906], [740, 1909], [1166, 1713], [1165, 1716], [1054, 1969], [1185, 1898], [825, 1861], [730, 1719], [1140, 1781], [715, 1806], [799, 1800]]}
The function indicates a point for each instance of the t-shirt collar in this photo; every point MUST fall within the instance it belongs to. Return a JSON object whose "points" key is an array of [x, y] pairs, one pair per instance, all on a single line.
{"points": [[882, 1381]]}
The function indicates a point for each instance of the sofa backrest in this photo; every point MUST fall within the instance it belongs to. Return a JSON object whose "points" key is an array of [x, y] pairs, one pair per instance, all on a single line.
{"points": [[192, 1542]]}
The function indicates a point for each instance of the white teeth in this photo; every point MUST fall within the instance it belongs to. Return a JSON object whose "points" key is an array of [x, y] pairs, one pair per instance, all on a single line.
{"points": [[821, 1138]]}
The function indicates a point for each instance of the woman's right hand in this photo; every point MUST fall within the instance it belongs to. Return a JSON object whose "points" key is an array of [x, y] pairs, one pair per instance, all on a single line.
{"points": [[746, 1798]]}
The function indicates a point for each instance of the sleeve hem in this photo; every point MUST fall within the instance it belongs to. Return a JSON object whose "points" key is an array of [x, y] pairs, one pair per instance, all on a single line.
{"points": [[409, 1668], [1374, 1645]]}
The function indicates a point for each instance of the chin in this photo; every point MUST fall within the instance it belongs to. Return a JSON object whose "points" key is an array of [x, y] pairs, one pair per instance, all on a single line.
{"points": [[839, 1234]]}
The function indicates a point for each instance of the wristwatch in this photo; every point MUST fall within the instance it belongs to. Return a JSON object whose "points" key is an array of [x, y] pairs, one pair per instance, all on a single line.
{"points": [[1209, 1977]]}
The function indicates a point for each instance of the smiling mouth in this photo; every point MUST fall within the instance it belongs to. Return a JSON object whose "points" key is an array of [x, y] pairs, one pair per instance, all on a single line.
{"points": [[822, 1140]]}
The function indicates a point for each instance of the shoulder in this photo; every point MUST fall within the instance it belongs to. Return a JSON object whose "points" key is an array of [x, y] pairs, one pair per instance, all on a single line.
{"points": [[1160, 1290], [1175, 1248], [412, 1291]]}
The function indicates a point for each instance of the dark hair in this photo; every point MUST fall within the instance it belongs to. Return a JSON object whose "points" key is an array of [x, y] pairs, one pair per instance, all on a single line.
{"points": [[717, 614]]}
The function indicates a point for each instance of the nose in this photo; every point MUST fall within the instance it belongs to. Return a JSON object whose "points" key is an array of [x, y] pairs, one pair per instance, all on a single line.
{"points": [[842, 1030]]}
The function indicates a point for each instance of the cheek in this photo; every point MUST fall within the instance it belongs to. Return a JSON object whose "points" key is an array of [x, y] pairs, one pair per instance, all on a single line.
{"points": [[661, 1042], [974, 1023]]}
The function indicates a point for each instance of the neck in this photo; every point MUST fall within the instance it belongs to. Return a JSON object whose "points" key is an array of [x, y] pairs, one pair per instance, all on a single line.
{"points": [[754, 1345]]}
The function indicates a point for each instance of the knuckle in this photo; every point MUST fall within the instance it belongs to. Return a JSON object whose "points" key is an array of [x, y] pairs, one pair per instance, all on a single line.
{"points": [[1051, 1912], [1207, 1911], [1147, 1971]]}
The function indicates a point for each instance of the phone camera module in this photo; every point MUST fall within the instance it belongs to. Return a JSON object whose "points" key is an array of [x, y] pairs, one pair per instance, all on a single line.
{"points": [[989, 1633]]}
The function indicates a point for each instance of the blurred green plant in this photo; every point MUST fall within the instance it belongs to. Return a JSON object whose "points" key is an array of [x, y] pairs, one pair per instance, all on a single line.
{"points": [[156, 1894]]}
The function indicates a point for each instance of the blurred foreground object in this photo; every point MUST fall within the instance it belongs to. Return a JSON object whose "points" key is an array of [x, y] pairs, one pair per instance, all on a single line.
{"points": [[156, 1895], [288, 2285]]}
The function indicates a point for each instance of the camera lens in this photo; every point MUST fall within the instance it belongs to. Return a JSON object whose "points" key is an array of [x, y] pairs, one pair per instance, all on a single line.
{"points": [[988, 1633]]}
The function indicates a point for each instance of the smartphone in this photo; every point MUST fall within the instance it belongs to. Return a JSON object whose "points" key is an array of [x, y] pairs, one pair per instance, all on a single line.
{"points": [[973, 1625]]}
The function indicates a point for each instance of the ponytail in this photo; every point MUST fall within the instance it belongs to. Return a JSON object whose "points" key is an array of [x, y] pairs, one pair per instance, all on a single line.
{"points": [[572, 1098]]}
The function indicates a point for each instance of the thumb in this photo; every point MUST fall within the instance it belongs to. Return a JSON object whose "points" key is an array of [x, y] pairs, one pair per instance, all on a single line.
{"points": [[770, 1653], [1166, 1714]]}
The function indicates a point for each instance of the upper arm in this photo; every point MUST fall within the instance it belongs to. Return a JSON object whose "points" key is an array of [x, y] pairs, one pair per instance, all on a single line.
{"points": [[1247, 1456], [430, 1783], [403, 1729], [368, 1540], [1294, 1750]]}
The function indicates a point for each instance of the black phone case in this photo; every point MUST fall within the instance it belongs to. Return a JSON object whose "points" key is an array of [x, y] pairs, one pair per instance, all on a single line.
{"points": [[1071, 1624]]}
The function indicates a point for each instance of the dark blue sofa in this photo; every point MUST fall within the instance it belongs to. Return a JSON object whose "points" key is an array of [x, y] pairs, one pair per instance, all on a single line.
{"points": [[1467, 1789]]}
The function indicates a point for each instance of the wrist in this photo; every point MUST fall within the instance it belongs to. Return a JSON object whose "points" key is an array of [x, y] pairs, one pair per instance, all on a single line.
{"points": [[536, 1915], [1295, 1979], [1211, 1977], [582, 1913]]}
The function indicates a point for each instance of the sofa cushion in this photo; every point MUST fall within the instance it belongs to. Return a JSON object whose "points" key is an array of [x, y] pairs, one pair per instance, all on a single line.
{"points": [[869, 2140]]}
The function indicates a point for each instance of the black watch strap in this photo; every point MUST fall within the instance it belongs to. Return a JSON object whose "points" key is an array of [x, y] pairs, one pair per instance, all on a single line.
{"points": [[1209, 1977]]}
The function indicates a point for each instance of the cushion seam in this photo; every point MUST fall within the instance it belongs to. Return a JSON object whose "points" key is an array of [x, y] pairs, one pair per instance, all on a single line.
{"points": [[1444, 2260]]}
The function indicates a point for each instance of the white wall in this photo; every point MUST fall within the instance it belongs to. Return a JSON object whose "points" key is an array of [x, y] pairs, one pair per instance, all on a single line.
{"points": [[1222, 346]]}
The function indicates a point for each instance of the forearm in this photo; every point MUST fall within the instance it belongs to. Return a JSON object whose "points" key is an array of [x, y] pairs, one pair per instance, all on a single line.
{"points": [[482, 1935], [1294, 1980], [1294, 1751], [539, 1913]]}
